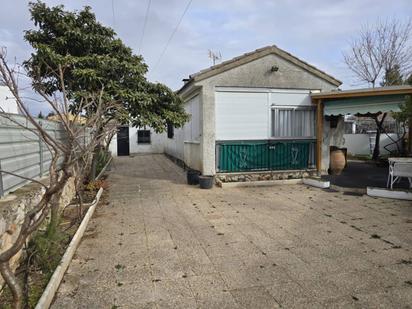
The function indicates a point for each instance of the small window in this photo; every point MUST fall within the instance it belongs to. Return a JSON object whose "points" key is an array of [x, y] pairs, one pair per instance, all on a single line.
{"points": [[170, 131], [143, 136]]}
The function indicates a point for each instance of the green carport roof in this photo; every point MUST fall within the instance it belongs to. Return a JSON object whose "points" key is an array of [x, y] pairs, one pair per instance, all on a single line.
{"points": [[364, 105], [363, 101]]}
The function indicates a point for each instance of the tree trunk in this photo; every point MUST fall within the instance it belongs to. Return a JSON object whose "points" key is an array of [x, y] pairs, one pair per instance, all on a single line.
{"points": [[54, 213], [379, 129], [55, 203], [14, 286], [95, 159]]}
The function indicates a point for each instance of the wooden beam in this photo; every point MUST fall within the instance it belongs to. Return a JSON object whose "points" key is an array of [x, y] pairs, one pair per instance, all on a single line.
{"points": [[410, 137], [319, 135], [361, 93]]}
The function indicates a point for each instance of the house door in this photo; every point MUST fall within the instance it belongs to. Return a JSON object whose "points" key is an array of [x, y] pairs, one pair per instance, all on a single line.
{"points": [[123, 141]]}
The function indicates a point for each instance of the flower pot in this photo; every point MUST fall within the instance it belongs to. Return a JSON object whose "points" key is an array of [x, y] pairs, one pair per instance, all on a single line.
{"points": [[206, 182], [337, 161], [192, 177]]}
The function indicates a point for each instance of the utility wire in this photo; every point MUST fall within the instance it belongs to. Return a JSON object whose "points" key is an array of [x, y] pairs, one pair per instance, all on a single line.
{"points": [[114, 19], [144, 25], [172, 35]]}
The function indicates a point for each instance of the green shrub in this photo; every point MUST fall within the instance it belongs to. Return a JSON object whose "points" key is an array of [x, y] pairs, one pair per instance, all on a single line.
{"points": [[102, 158]]}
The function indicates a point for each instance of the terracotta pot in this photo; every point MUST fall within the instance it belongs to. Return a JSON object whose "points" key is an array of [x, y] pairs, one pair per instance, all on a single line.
{"points": [[337, 161]]}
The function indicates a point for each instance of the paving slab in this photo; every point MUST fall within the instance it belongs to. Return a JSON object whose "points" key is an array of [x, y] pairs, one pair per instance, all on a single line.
{"points": [[160, 243]]}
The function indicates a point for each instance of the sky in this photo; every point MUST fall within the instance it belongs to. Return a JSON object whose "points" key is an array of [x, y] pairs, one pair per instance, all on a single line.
{"points": [[316, 31]]}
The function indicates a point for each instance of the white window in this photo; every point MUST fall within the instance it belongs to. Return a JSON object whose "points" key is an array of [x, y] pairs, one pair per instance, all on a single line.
{"points": [[293, 122], [192, 127]]}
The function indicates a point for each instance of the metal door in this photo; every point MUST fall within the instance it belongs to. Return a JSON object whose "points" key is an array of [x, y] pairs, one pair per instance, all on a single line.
{"points": [[123, 148]]}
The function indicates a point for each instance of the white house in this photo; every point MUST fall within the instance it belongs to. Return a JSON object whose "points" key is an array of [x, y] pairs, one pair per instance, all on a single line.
{"points": [[7, 102], [131, 140], [251, 113]]}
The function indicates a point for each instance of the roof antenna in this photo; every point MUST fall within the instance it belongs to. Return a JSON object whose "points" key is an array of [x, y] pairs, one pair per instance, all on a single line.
{"points": [[214, 56]]}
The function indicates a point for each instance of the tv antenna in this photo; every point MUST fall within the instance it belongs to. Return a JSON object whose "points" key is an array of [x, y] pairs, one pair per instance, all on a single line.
{"points": [[214, 56]]}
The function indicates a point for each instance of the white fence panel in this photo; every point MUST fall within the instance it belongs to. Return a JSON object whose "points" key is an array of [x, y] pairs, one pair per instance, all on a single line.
{"points": [[358, 144]]}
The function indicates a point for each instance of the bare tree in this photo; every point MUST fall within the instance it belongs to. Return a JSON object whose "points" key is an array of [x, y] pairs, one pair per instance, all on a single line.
{"points": [[379, 49], [70, 157], [397, 46], [377, 53]]}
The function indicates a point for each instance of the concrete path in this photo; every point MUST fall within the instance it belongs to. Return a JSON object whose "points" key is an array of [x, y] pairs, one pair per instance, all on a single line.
{"points": [[159, 243]]}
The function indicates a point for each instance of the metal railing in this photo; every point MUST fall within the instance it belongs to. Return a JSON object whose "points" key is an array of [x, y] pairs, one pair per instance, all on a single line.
{"points": [[265, 155]]}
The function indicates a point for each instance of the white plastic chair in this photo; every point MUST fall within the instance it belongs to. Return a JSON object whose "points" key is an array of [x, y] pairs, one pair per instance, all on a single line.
{"points": [[398, 170]]}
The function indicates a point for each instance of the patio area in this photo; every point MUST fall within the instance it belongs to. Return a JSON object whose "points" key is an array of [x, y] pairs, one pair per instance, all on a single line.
{"points": [[159, 243], [362, 174]]}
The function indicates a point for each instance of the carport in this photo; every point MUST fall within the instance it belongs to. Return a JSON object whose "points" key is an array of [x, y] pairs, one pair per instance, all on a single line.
{"points": [[331, 109]]}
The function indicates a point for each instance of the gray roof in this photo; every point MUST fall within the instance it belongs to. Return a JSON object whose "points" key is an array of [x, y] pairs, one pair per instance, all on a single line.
{"points": [[251, 56]]}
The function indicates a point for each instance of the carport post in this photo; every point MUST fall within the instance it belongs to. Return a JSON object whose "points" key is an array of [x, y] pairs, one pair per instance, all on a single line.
{"points": [[410, 137], [319, 135]]}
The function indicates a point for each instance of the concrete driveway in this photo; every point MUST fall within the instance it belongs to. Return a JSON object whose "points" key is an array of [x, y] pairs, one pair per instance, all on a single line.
{"points": [[159, 243]]}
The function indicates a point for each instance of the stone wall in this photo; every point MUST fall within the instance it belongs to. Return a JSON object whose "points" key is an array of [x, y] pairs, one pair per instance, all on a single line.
{"points": [[13, 208], [268, 175]]}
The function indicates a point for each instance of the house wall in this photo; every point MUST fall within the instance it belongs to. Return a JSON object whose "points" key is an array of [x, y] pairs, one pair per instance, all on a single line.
{"points": [[7, 105], [255, 74], [175, 146], [245, 113], [192, 155], [157, 144], [185, 144]]}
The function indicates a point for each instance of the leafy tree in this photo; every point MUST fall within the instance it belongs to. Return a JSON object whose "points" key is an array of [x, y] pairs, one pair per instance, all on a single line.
{"points": [[408, 81], [40, 115], [94, 58], [404, 116], [392, 77]]}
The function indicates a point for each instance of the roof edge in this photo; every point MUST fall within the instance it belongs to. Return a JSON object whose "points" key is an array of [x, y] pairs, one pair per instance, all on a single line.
{"points": [[362, 92], [251, 56]]}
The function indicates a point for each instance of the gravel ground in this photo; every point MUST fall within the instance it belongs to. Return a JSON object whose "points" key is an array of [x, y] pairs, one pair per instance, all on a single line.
{"points": [[159, 243]]}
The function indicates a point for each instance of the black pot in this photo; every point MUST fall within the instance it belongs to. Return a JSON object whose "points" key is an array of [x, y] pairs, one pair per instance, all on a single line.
{"points": [[192, 177], [206, 182]]}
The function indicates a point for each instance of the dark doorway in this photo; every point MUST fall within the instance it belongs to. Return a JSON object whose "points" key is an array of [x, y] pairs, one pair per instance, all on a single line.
{"points": [[123, 141]]}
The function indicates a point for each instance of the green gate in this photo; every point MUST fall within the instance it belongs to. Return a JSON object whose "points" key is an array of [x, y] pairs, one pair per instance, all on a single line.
{"points": [[265, 155]]}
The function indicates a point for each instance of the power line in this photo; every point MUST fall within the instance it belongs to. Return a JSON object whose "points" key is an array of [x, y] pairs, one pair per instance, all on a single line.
{"points": [[113, 15], [144, 24], [172, 35]]}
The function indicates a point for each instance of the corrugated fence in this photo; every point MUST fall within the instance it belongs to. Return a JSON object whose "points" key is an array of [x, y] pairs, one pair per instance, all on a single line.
{"points": [[22, 152]]}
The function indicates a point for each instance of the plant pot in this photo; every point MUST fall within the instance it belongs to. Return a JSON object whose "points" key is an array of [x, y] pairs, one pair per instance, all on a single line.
{"points": [[206, 182], [337, 161], [192, 177]]}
